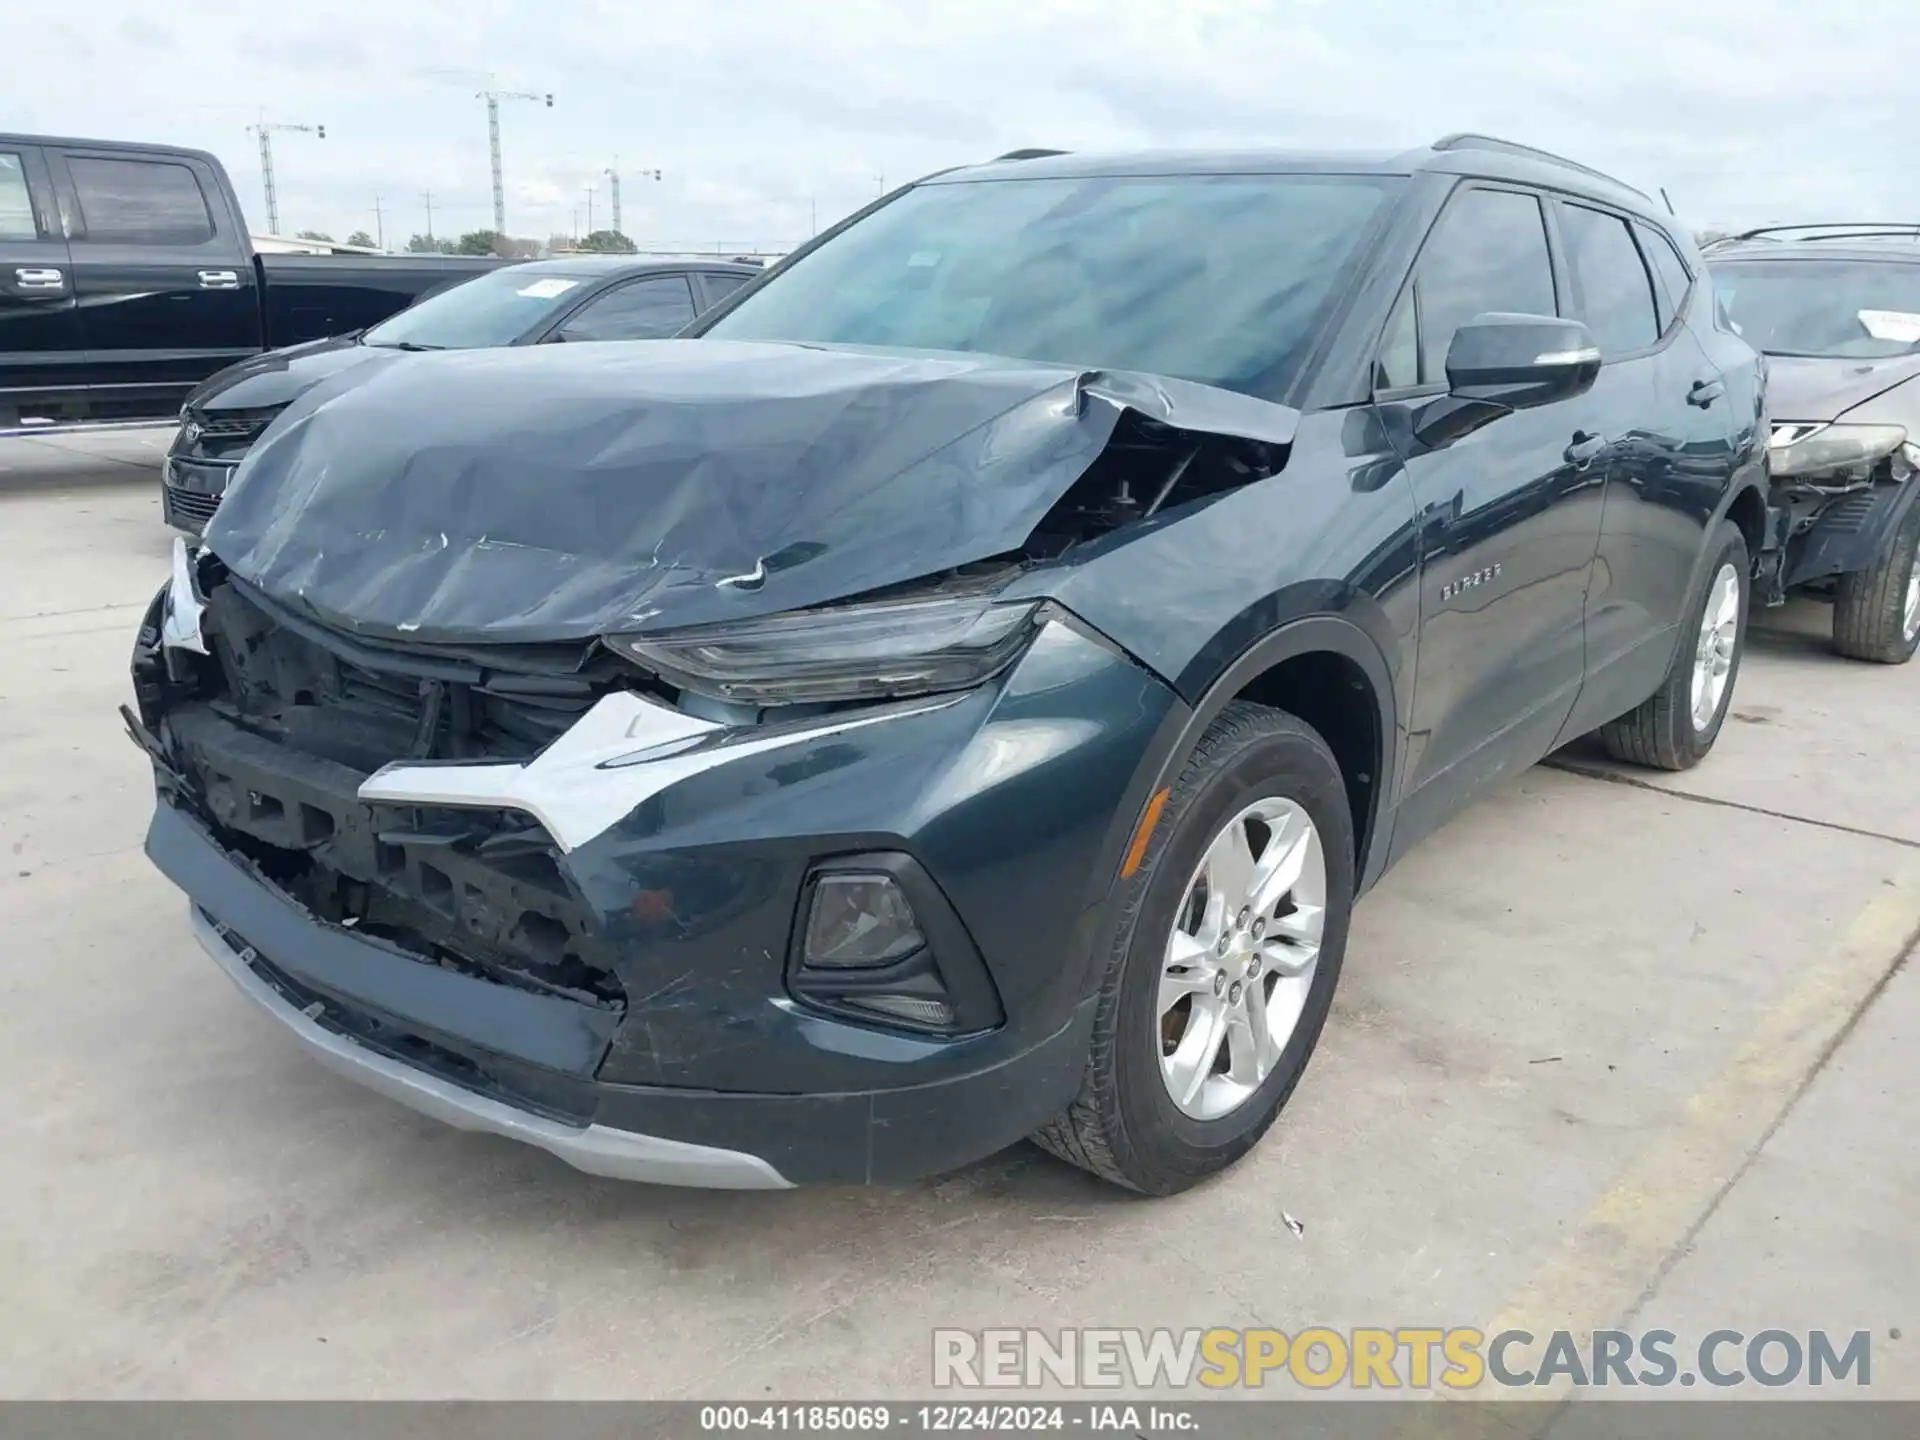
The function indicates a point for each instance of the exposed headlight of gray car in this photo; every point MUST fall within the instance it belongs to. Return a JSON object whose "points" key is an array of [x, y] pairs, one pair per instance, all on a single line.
{"points": [[879, 650], [1838, 452]]}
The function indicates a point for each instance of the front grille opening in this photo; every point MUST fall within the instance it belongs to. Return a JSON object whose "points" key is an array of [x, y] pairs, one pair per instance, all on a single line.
{"points": [[419, 879], [194, 507], [358, 705], [296, 717]]}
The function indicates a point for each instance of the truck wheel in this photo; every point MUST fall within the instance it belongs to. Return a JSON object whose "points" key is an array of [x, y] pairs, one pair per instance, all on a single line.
{"points": [[1876, 611], [1676, 726], [1230, 942]]}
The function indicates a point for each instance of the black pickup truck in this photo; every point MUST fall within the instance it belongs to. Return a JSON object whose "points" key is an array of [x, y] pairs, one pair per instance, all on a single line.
{"points": [[127, 276]]}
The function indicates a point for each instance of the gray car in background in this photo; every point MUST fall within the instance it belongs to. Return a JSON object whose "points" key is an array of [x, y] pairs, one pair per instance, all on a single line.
{"points": [[1836, 310]]}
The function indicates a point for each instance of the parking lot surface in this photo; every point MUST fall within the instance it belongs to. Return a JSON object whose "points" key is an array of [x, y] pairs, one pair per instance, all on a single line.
{"points": [[1609, 1048]]}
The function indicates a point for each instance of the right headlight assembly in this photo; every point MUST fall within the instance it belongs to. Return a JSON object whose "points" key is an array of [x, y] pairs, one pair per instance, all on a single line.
{"points": [[1840, 451], [886, 649]]}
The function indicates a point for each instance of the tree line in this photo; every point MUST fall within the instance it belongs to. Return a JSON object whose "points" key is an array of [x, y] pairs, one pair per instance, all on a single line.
{"points": [[491, 242]]}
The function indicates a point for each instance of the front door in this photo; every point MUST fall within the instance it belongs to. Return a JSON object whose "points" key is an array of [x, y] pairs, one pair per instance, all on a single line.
{"points": [[1510, 516], [39, 337]]}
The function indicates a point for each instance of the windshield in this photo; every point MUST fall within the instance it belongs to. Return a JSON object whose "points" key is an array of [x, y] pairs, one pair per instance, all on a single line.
{"points": [[496, 308], [1853, 309], [1218, 279]]}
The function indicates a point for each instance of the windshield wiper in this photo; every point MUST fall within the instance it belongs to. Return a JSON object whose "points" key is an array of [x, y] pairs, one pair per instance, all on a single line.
{"points": [[412, 345]]}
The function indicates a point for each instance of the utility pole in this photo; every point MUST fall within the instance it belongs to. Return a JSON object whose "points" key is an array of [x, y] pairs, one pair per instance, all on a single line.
{"points": [[493, 99], [379, 225], [590, 190], [427, 195], [264, 129]]}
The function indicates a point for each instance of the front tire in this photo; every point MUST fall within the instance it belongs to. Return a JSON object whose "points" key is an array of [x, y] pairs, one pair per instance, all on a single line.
{"points": [[1675, 727], [1876, 611], [1219, 981]]}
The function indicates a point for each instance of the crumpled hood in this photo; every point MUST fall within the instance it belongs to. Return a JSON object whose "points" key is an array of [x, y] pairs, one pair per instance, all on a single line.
{"points": [[1816, 388], [558, 492], [281, 376]]}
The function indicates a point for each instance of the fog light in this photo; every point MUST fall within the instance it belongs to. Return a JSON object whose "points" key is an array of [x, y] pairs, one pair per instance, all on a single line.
{"points": [[860, 920]]}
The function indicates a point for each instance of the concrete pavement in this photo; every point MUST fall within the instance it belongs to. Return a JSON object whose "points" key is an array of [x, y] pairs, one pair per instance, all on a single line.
{"points": [[1534, 1005]]}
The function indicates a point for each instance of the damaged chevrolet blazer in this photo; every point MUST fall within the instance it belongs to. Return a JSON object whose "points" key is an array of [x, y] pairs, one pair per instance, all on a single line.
{"points": [[957, 692]]}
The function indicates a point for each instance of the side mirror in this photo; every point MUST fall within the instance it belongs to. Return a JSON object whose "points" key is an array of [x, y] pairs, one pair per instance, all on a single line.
{"points": [[1521, 360]]}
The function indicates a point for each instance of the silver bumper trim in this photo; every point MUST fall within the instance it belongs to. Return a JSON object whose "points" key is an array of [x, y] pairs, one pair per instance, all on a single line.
{"points": [[596, 1149]]}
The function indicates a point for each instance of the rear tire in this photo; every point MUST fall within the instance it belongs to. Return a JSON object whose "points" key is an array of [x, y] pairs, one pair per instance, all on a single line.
{"points": [[1158, 1110], [1876, 611], [1675, 727]]}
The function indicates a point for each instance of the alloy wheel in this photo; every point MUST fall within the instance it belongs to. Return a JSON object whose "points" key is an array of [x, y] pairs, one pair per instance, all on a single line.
{"points": [[1241, 957], [1713, 651]]}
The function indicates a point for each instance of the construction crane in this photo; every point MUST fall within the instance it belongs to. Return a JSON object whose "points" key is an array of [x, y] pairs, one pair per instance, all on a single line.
{"points": [[264, 129], [613, 182], [493, 99]]}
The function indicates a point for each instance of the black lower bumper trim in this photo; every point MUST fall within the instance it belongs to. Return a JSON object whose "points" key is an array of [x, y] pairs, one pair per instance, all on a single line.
{"points": [[536, 1029]]}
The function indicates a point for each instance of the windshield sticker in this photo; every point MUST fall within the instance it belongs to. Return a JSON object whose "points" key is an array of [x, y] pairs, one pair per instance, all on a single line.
{"points": [[546, 289], [1902, 326], [923, 259]]}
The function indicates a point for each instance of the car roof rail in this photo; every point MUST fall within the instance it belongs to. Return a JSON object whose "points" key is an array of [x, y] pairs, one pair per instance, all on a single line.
{"points": [[1032, 153], [1836, 230], [1471, 140]]}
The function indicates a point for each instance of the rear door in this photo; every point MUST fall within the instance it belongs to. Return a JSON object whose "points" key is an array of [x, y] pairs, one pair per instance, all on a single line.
{"points": [[1671, 462], [162, 269], [39, 336]]}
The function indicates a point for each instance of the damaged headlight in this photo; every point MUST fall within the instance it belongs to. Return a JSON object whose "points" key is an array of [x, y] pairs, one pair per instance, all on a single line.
{"points": [[850, 652], [1847, 452]]}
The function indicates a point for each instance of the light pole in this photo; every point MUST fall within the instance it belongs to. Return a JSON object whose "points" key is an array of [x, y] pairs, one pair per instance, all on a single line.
{"points": [[493, 99], [264, 129]]}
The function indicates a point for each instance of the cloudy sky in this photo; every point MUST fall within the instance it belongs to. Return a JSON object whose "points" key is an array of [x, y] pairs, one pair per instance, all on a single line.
{"points": [[767, 115]]}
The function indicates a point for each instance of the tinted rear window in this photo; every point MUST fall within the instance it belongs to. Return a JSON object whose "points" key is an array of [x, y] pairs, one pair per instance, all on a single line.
{"points": [[1669, 272], [1612, 279], [16, 204], [140, 202]]}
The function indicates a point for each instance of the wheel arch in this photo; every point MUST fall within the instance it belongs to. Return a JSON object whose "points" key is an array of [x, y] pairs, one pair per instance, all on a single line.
{"points": [[1328, 672]]}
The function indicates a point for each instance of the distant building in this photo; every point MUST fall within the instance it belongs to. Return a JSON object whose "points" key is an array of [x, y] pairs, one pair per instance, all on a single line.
{"points": [[292, 245]]}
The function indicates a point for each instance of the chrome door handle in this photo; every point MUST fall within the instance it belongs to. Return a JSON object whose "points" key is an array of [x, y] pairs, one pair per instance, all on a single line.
{"points": [[219, 280], [29, 277]]}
